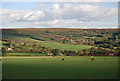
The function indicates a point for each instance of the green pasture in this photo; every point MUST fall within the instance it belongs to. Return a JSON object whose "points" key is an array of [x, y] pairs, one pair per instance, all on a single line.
{"points": [[54, 68], [27, 54], [20, 38], [51, 44], [55, 45]]}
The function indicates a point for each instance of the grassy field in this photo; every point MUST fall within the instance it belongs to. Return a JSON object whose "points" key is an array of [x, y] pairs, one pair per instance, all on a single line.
{"points": [[18, 38], [27, 54], [55, 68], [51, 44], [55, 45]]}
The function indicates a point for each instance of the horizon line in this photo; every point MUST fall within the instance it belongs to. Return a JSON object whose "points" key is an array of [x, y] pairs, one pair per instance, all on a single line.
{"points": [[60, 28]]}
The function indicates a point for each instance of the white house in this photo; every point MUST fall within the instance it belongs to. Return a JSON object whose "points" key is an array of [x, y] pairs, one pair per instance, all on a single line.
{"points": [[10, 49]]}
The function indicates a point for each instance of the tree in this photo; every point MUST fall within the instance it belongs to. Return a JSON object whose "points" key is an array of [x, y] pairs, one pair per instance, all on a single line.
{"points": [[4, 51], [65, 52], [64, 41], [55, 51], [85, 52], [80, 52]]}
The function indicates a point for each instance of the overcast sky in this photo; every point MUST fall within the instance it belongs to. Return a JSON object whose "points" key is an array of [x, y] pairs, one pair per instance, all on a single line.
{"points": [[59, 14]]}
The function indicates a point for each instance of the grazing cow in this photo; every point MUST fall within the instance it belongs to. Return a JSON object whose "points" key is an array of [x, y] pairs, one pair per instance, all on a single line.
{"points": [[0, 59], [63, 59], [92, 59], [106, 58]]}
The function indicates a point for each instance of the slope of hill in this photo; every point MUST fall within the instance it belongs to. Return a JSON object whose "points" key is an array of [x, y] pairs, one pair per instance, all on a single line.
{"points": [[61, 38]]}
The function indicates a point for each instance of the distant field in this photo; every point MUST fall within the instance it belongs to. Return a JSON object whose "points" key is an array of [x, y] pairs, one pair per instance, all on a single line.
{"points": [[27, 54], [19, 38], [51, 44], [55, 68], [55, 45]]}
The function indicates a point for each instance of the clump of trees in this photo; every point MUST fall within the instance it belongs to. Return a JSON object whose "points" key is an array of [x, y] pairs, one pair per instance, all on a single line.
{"points": [[4, 51]]}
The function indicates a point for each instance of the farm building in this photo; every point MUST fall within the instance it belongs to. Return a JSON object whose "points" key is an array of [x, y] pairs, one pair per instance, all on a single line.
{"points": [[9, 49], [111, 53], [50, 54]]}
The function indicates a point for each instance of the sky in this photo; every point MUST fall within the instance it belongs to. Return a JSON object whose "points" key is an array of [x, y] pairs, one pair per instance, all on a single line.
{"points": [[59, 14]]}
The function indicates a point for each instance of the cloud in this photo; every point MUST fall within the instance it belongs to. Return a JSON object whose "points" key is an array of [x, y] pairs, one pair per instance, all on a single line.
{"points": [[69, 24], [88, 1], [33, 15], [60, 15], [56, 6], [70, 11], [22, 14]]}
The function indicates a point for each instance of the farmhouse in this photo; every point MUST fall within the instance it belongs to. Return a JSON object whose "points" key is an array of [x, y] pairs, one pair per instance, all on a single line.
{"points": [[50, 54], [9, 49], [111, 53], [61, 38]]}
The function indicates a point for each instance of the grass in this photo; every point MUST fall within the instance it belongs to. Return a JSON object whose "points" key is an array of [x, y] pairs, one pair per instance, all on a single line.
{"points": [[54, 68], [27, 54], [55, 45], [19, 38], [51, 44]]}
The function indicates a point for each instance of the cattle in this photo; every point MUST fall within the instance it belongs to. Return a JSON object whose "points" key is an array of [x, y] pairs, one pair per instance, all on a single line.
{"points": [[63, 59], [106, 58], [92, 59]]}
